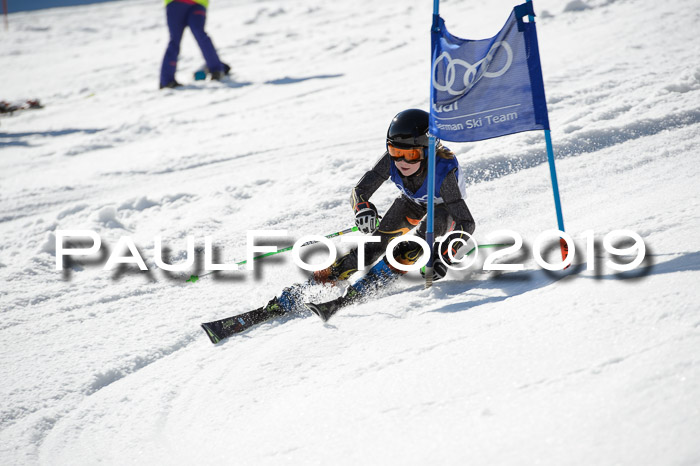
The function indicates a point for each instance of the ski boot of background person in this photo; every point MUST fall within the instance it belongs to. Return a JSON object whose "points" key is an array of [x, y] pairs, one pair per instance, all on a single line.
{"points": [[378, 276], [171, 85], [218, 75]]}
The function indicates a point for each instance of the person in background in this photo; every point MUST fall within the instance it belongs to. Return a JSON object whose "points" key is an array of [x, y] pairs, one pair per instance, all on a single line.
{"points": [[192, 13]]}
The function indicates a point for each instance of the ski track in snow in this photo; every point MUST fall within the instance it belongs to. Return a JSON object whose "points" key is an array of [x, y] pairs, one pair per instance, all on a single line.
{"points": [[579, 367]]}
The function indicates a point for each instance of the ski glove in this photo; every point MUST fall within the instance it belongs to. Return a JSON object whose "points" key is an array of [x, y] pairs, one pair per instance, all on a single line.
{"points": [[366, 217], [439, 267], [439, 270]]}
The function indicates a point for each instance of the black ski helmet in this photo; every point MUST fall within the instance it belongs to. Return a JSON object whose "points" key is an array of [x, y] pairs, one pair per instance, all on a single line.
{"points": [[409, 128]]}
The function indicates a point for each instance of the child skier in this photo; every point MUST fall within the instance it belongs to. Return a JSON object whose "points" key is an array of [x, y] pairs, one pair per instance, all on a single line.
{"points": [[192, 13], [405, 163]]}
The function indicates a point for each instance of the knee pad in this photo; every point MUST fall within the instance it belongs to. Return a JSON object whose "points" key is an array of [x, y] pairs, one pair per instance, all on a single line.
{"points": [[340, 270], [407, 252]]}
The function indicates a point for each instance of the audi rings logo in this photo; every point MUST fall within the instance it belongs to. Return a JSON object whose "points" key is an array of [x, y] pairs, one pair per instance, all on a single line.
{"points": [[472, 73]]}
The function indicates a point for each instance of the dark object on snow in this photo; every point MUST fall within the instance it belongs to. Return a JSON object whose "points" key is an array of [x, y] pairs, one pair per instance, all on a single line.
{"points": [[9, 107], [171, 85]]}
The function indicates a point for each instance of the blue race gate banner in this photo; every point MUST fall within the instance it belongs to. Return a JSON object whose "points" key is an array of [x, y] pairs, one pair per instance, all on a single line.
{"points": [[487, 88]]}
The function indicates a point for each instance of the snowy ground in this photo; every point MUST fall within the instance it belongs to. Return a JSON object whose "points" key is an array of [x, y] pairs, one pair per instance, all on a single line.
{"points": [[531, 367]]}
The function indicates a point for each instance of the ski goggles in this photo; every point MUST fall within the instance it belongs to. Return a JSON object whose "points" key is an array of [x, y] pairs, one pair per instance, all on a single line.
{"points": [[412, 155]]}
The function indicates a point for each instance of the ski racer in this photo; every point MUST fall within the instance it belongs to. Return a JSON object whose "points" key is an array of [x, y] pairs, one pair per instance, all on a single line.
{"points": [[405, 163]]}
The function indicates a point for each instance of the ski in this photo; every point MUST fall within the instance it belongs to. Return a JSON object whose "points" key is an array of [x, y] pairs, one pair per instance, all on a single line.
{"points": [[221, 329], [288, 301], [291, 300]]}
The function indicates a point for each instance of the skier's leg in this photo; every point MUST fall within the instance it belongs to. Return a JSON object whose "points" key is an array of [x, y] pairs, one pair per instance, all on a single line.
{"points": [[406, 253], [409, 253], [176, 14], [196, 21], [443, 224], [291, 298], [381, 274], [402, 216]]}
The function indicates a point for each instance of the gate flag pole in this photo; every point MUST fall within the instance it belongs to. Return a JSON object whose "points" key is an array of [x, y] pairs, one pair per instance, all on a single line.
{"points": [[555, 184], [430, 235], [484, 77]]}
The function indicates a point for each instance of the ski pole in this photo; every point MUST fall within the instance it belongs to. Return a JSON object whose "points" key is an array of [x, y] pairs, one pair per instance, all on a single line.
{"points": [[486, 246], [194, 278]]}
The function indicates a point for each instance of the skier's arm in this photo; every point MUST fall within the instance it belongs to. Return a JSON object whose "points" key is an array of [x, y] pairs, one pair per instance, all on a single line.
{"points": [[371, 181], [456, 207]]}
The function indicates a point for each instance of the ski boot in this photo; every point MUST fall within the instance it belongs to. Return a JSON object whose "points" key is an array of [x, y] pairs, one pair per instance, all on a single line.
{"points": [[378, 276], [171, 85], [290, 300], [218, 75], [339, 271]]}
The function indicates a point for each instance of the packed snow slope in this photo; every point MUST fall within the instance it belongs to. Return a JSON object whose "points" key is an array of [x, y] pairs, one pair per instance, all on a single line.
{"points": [[530, 367]]}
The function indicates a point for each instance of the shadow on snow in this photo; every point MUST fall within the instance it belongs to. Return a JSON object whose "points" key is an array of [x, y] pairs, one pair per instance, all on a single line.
{"points": [[518, 283]]}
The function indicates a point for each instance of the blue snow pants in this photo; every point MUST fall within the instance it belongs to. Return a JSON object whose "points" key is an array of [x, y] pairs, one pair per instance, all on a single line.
{"points": [[181, 15]]}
